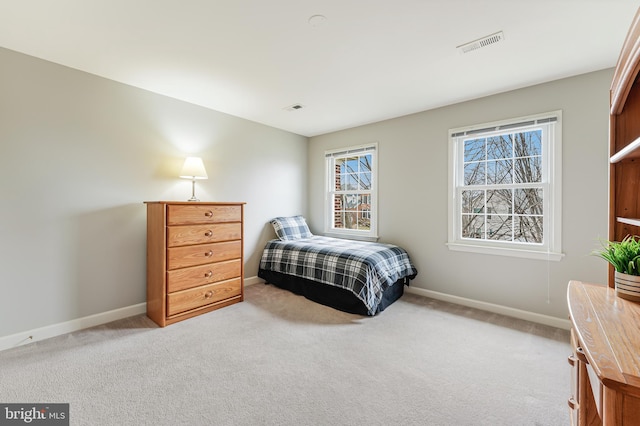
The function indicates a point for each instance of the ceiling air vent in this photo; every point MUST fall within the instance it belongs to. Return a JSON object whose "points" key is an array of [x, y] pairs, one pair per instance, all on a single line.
{"points": [[294, 107], [481, 42]]}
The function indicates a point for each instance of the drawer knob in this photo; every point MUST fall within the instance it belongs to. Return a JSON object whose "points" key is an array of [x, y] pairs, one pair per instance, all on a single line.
{"points": [[208, 233], [208, 213], [209, 253], [208, 295], [208, 274], [573, 404]]}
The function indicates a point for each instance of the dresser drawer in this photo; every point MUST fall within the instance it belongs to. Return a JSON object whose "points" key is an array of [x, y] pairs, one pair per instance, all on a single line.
{"points": [[200, 296], [183, 257], [181, 279], [201, 214], [199, 234]]}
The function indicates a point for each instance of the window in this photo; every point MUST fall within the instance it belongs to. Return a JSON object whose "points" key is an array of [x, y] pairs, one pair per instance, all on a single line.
{"points": [[351, 195], [505, 187]]}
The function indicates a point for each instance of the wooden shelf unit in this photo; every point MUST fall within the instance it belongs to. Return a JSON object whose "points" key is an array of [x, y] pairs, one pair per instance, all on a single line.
{"points": [[605, 336], [624, 141], [629, 221]]}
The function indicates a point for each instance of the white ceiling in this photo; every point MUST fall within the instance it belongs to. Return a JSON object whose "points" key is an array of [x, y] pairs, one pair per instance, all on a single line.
{"points": [[370, 60]]}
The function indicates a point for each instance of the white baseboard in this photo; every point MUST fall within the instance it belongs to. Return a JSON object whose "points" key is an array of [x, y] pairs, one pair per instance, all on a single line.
{"points": [[498, 309], [35, 335], [253, 280], [484, 306]]}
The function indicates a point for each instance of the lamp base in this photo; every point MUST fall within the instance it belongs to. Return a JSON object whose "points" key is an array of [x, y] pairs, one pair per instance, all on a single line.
{"points": [[193, 190]]}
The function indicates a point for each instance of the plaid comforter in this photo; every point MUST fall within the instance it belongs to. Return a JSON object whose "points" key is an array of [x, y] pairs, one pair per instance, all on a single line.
{"points": [[366, 269]]}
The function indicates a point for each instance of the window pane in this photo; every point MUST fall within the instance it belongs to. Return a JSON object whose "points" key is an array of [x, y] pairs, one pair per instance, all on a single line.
{"points": [[528, 169], [350, 165], [350, 202], [338, 203], [528, 201], [474, 150], [337, 183], [365, 163], [499, 172], [337, 178], [350, 220], [528, 229], [499, 201], [474, 173], [499, 227], [499, 147], [350, 182], [364, 223], [364, 202], [472, 201], [338, 211], [528, 144], [364, 211], [365, 180], [473, 226]]}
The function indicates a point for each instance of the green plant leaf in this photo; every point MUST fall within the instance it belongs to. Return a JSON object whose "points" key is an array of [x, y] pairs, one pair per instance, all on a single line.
{"points": [[623, 255]]}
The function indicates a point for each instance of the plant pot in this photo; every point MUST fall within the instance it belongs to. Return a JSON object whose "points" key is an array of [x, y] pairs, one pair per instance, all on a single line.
{"points": [[627, 286]]}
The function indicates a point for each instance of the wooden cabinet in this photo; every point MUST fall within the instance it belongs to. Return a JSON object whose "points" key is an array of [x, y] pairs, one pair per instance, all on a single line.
{"points": [[194, 258], [624, 142], [605, 358]]}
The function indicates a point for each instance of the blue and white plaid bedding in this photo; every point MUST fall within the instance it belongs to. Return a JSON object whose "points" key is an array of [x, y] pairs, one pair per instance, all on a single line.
{"points": [[366, 269]]}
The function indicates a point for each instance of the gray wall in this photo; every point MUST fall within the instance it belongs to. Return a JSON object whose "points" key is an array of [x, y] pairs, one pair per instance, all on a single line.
{"points": [[79, 155], [413, 171]]}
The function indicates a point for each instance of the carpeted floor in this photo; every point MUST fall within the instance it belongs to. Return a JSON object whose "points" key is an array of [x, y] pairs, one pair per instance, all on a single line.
{"points": [[279, 359]]}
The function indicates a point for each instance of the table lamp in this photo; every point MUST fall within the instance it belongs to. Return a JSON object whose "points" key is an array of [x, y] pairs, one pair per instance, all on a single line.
{"points": [[193, 169]]}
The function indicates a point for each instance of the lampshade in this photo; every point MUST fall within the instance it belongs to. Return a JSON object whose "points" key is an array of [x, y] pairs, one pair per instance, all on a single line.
{"points": [[193, 168]]}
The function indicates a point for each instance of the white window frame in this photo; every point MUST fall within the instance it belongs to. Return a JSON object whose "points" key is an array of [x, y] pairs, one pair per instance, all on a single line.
{"points": [[551, 246], [330, 157]]}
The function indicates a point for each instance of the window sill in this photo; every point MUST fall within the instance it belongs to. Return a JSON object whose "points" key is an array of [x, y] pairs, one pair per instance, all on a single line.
{"points": [[372, 238], [502, 251]]}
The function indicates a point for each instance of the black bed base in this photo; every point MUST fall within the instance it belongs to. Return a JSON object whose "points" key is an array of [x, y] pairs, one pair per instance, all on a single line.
{"points": [[328, 295]]}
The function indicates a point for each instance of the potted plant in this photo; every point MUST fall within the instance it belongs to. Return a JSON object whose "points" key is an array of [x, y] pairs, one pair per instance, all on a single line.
{"points": [[625, 257]]}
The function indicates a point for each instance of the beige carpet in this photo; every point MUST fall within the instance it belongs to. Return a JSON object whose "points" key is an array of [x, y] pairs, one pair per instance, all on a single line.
{"points": [[279, 359]]}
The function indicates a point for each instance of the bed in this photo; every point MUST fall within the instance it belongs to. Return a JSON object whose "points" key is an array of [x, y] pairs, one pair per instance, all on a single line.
{"points": [[353, 276]]}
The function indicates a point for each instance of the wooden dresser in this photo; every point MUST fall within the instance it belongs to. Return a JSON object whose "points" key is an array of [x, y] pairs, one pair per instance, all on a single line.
{"points": [[194, 258], [605, 336]]}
